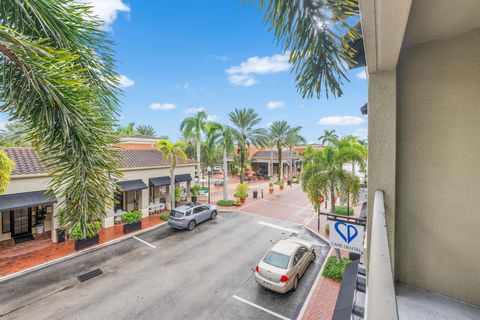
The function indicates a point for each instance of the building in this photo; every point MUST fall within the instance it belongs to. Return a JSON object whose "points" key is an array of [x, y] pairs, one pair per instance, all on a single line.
{"points": [[423, 69], [265, 163], [146, 181]]}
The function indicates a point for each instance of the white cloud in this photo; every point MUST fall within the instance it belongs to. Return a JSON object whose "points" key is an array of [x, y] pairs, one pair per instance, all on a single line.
{"points": [[242, 75], [362, 74], [340, 120], [190, 111], [213, 118], [275, 104], [162, 106], [125, 81], [361, 133], [107, 10]]}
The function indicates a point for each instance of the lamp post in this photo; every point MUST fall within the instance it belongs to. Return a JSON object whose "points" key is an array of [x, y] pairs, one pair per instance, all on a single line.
{"points": [[209, 173]]}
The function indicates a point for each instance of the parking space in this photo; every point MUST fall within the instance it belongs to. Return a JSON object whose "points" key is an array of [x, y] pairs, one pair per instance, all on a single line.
{"points": [[167, 274]]}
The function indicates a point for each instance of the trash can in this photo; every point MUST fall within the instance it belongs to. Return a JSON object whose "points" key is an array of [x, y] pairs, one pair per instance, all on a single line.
{"points": [[60, 235], [255, 194]]}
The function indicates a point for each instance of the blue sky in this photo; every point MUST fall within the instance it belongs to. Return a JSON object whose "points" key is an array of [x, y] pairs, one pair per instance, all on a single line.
{"points": [[176, 57]]}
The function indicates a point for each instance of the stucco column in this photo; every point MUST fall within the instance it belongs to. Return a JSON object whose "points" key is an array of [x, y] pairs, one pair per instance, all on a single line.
{"points": [[189, 183], [382, 131], [145, 201], [55, 223], [168, 205]]}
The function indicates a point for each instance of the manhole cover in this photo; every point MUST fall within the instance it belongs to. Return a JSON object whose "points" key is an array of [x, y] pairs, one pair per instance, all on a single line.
{"points": [[89, 275]]}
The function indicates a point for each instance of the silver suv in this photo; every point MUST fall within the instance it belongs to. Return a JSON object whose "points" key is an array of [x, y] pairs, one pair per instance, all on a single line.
{"points": [[189, 215]]}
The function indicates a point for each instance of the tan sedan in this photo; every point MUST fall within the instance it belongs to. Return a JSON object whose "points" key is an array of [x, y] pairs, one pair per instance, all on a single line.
{"points": [[283, 266]]}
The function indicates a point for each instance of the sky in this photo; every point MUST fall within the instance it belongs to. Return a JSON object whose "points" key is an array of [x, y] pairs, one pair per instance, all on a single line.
{"points": [[178, 57]]}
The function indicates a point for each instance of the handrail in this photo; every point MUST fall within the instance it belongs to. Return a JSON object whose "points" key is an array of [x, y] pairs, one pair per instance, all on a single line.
{"points": [[380, 299]]}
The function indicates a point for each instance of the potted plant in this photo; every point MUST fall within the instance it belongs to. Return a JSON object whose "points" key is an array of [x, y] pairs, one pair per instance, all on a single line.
{"points": [[241, 192], [132, 221], [270, 188], [195, 190], [178, 194], [281, 184], [92, 238], [237, 202], [41, 215]]}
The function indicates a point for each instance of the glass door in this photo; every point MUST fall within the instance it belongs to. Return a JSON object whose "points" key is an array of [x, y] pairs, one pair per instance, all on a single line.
{"points": [[22, 221]]}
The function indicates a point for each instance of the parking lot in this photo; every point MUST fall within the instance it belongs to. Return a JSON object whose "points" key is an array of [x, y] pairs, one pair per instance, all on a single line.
{"points": [[167, 274]]}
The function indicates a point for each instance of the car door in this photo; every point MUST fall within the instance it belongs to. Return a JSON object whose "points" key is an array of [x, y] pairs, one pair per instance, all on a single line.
{"points": [[304, 259], [197, 213], [206, 212]]}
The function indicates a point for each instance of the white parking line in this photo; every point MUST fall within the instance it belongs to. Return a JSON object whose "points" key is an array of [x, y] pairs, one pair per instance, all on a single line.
{"points": [[260, 308], [263, 223], [145, 242]]}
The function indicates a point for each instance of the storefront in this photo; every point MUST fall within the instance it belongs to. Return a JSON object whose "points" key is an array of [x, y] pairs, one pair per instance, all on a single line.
{"points": [[159, 189], [130, 197]]}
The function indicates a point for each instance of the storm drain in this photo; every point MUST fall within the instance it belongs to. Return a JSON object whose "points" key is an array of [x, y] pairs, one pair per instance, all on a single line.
{"points": [[89, 275]]}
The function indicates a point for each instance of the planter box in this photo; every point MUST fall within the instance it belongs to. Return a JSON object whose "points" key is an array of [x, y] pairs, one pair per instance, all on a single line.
{"points": [[85, 243], [281, 187], [242, 200], [194, 199], [127, 228], [270, 191]]}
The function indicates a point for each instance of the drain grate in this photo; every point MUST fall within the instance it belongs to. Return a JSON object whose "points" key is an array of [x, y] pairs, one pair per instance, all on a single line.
{"points": [[89, 275]]}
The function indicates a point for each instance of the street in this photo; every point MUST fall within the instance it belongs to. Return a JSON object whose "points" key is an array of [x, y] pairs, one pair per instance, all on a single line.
{"points": [[167, 274]]}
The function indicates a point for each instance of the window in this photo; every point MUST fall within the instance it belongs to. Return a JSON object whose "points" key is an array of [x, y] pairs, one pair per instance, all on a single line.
{"points": [[5, 222], [177, 214], [198, 210], [188, 213], [276, 259], [299, 255]]}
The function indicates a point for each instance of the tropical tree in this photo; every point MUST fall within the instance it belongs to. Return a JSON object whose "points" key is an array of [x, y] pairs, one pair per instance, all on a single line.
{"points": [[223, 135], [6, 168], [283, 135], [128, 130], [245, 120], [172, 152], [328, 138], [194, 127], [353, 152], [14, 135], [57, 78], [309, 30], [146, 130]]}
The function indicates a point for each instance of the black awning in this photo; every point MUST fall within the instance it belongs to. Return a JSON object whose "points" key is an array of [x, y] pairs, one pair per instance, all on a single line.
{"points": [[25, 200], [183, 177], [132, 185], [344, 306], [159, 181]]}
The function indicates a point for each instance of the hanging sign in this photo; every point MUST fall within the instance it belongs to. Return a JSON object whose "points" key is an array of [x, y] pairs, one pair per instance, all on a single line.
{"points": [[346, 236]]}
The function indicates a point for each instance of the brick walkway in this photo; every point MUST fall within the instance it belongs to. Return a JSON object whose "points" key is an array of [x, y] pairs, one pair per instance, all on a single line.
{"points": [[14, 258]]}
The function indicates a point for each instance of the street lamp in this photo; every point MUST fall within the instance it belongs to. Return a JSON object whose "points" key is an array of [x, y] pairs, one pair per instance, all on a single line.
{"points": [[209, 174]]}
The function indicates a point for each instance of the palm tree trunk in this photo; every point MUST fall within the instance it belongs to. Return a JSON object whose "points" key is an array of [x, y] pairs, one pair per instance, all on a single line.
{"points": [[291, 161], [280, 165], [271, 162], [353, 168], [172, 188], [242, 161], [225, 189], [198, 160], [332, 198]]}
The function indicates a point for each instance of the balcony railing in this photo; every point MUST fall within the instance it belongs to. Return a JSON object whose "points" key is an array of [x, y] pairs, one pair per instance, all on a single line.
{"points": [[380, 300]]}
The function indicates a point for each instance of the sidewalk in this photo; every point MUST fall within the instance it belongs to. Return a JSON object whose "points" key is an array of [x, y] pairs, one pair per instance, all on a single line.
{"points": [[30, 254]]}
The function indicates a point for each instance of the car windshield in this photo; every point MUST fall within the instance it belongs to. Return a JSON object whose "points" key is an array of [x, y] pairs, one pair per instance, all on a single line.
{"points": [[176, 214], [276, 259]]}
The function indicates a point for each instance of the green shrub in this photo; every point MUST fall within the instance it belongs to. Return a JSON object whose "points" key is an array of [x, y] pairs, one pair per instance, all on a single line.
{"points": [[178, 193], [342, 210], [195, 190], [241, 191], [131, 216], [164, 216], [270, 185], [334, 269], [225, 203], [92, 230]]}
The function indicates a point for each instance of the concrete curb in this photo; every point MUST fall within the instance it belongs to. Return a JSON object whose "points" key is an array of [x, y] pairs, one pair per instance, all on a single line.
{"points": [[314, 286], [78, 253]]}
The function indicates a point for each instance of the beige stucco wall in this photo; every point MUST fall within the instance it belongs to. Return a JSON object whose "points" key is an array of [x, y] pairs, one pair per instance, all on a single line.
{"points": [[438, 156]]}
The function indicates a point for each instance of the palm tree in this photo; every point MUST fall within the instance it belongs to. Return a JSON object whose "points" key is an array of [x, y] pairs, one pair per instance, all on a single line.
{"points": [[194, 127], [309, 30], [329, 137], [146, 130], [283, 135], [128, 130], [14, 135], [172, 152], [222, 135], [57, 77], [245, 120], [294, 140], [6, 168], [352, 151]]}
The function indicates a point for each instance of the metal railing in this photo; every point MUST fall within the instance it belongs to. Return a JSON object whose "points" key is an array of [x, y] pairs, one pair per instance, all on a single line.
{"points": [[380, 299]]}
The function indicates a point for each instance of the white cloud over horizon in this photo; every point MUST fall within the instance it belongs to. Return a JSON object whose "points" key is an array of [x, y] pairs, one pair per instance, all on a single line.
{"points": [[275, 104], [125, 81], [193, 110], [213, 118], [162, 106], [243, 75], [107, 10], [362, 74], [340, 120]]}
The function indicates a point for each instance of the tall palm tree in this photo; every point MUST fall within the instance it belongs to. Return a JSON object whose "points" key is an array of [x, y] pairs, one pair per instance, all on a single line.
{"points": [[172, 152], [294, 141], [328, 138], [146, 130], [194, 127], [352, 151], [283, 135], [14, 135], [309, 30], [222, 135], [245, 120], [6, 168], [57, 77]]}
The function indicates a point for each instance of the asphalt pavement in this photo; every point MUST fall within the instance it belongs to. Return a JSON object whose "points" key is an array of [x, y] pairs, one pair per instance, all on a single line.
{"points": [[207, 273]]}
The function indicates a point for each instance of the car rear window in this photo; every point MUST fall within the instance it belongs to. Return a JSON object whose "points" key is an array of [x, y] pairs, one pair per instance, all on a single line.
{"points": [[276, 259], [176, 214]]}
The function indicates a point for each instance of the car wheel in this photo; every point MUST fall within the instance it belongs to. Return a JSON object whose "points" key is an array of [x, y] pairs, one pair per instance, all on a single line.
{"points": [[191, 225], [314, 256], [295, 283], [214, 215]]}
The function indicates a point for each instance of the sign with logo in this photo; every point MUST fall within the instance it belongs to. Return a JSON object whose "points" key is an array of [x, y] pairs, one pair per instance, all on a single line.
{"points": [[346, 236]]}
